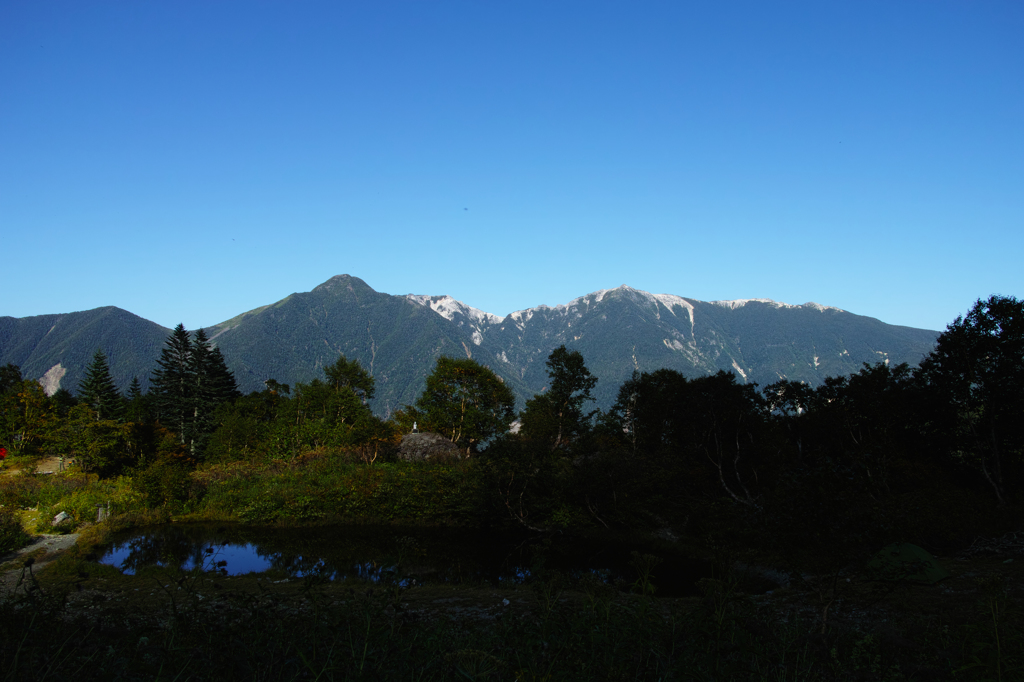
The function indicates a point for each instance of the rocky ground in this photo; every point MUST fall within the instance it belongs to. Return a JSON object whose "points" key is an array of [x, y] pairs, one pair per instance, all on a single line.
{"points": [[43, 550]]}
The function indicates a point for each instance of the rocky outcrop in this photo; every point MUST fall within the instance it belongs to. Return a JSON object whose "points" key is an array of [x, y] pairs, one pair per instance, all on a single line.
{"points": [[422, 447], [51, 380]]}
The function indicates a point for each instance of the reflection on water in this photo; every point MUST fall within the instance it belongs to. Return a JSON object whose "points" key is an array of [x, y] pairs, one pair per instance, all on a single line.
{"points": [[402, 556]]}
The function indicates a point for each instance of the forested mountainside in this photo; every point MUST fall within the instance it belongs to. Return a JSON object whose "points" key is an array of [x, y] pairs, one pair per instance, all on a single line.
{"points": [[398, 339], [60, 347]]}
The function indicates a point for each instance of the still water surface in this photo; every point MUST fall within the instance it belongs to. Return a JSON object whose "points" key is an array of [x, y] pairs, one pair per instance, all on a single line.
{"points": [[405, 556]]}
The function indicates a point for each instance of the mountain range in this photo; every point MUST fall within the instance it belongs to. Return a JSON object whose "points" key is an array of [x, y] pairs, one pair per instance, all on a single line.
{"points": [[398, 338]]}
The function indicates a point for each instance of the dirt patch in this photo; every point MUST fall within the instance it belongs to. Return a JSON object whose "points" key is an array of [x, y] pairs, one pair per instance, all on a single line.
{"points": [[43, 549], [49, 465]]}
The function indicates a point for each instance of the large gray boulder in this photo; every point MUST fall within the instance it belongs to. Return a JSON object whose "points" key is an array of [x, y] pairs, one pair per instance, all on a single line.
{"points": [[423, 447]]}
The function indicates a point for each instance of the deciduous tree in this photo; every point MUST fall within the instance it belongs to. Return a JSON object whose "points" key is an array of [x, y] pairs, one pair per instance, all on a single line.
{"points": [[975, 374], [465, 402], [557, 416]]}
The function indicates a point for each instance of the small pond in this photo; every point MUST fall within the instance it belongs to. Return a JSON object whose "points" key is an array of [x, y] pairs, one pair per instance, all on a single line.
{"points": [[406, 556]]}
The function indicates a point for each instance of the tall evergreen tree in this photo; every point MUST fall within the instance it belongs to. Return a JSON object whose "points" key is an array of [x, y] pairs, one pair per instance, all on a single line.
{"points": [[202, 398], [97, 389], [172, 384], [191, 382], [223, 386], [137, 409]]}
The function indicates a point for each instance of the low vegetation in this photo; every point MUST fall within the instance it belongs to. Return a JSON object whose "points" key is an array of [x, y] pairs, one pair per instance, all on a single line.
{"points": [[794, 482]]}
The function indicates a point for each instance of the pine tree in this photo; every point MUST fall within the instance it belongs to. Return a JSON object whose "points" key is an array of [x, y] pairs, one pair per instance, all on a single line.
{"points": [[191, 382], [135, 389], [172, 384], [204, 400], [97, 389], [222, 382], [138, 405]]}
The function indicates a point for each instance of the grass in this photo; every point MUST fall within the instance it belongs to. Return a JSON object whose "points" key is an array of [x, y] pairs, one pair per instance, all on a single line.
{"points": [[12, 534], [84, 620]]}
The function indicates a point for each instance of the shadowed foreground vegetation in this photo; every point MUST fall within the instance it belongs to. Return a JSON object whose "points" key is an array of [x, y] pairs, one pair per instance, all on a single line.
{"points": [[89, 620], [788, 490]]}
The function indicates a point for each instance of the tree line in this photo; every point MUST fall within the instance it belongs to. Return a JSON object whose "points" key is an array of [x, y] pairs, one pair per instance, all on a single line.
{"points": [[880, 449]]}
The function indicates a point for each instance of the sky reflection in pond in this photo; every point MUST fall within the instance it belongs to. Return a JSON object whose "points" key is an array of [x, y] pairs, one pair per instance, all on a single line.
{"points": [[402, 556]]}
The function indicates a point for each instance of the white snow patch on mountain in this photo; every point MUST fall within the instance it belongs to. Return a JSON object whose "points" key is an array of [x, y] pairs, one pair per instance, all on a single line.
{"points": [[739, 370], [820, 307], [740, 302], [670, 301], [447, 307], [521, 317]]}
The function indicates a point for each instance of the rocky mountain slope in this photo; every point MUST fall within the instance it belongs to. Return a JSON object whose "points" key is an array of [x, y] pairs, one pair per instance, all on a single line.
{"points": [[398, 338], [58, 348], [619, 330]]}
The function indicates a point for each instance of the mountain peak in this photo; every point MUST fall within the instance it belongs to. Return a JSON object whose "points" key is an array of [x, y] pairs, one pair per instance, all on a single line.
{"points": [[343, 281]]}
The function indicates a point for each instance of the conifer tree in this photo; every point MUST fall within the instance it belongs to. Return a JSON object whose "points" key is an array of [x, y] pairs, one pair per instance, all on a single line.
{"points": [[223, 386], [202, 400], [172, 386], [63, 400], [97, 389], [138, 406], [191, 382]]}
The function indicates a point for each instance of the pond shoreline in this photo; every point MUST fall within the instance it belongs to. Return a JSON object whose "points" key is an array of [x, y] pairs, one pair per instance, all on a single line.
{"points": [[43, 549], [408, 554]]}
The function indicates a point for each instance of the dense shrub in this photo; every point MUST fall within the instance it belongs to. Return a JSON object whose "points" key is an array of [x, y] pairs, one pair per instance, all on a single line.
{"points": [[165, 481], [330, 489], [12, 535]]}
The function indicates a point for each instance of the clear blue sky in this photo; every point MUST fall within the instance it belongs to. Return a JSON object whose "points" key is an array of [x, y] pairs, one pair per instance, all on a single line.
{"points": [[188, 161]]}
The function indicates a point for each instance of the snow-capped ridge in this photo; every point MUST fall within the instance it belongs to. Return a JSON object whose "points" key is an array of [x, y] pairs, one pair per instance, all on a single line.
{"points": [[448, 307], [670, 301], [740, 302], [820, 307]]}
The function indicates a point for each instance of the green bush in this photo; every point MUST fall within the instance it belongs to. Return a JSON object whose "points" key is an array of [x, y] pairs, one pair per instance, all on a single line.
{"points": [[80, 496], [330, 489], [20, 491], [12, 535], [165, 481]]}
